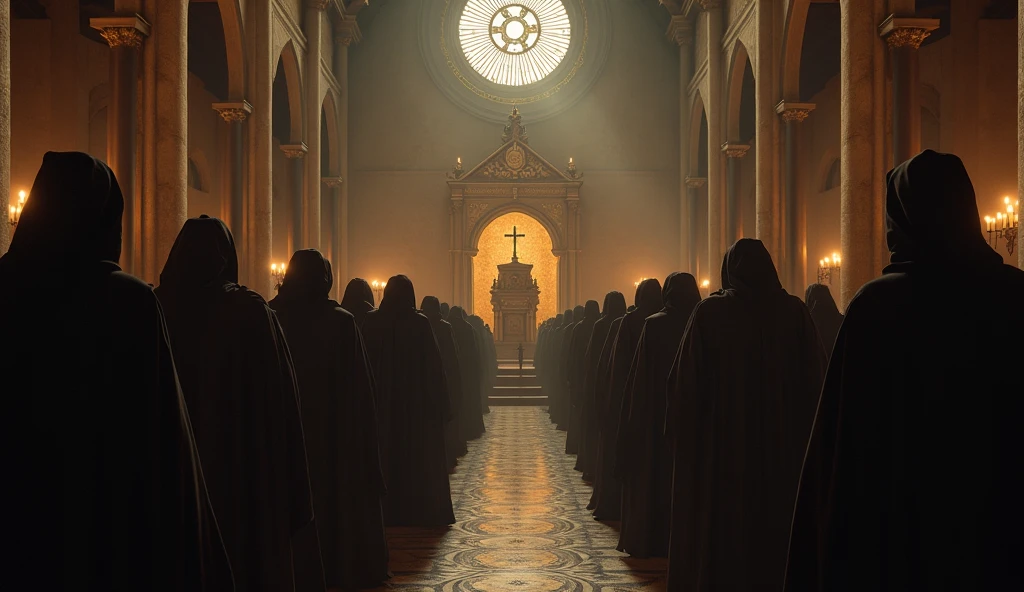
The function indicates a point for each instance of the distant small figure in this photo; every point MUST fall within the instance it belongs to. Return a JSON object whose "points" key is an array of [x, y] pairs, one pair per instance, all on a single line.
{"points": [[520, 350]]}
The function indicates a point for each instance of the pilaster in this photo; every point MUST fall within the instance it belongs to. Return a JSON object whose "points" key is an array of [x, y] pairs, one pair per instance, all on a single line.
{"points": [[310, 237], [904, 36], [793, 263], [346, 33], [235, 113], [680, 31], [5, 121], [714, 108]]}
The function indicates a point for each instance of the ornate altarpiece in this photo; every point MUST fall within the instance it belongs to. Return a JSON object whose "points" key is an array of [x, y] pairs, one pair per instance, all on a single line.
{"points": [[515, 178]]}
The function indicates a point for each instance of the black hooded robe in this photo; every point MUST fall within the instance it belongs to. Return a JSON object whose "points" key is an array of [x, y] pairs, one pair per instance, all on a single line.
{"points": [[912, 479], [237, 376], [105, 489], [412, 409], [471, 419], [455, 445], [604, 374], [577, 371], [339, 419], [358, 299], [644, 454], [825, 313], [614, 308], [741, 401], [565, 363]]}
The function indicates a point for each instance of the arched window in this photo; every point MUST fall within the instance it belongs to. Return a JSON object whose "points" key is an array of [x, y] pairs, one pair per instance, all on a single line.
{"points": [[834, 177], [195, 180]]}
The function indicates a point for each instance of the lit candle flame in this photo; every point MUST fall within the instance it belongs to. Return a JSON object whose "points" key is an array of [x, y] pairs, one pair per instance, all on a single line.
{"points": [[22, 196]]}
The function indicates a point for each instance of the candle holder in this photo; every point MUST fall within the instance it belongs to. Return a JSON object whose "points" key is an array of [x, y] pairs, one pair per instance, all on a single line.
{"points": [[378, 290], [277, 271], [828, 267], [14, 216], [457, 171], [570, 170], [1004, 226]]}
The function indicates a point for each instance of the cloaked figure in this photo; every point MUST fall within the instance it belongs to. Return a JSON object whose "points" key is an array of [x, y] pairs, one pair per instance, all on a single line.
{"points": [[644, 456], [556, 371], [412, 409], [339, 419], [564, 362], [627, 338], [455, 446], [488, 360], [741, 399], [577, 374], [825, 313], [912, 479], [105, 487], [237, 376], [471, 419], [358, 299], [614, 308]]}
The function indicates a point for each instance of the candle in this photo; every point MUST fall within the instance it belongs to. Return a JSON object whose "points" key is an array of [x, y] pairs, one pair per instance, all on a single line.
{"points": [[570, 160], [458, 160], [988, 223], [22, 196]]}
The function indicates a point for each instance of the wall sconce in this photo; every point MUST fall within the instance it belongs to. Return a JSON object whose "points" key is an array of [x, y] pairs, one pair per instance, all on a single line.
{"points": [[705, 286], [14, 216], [637, 283], [277, 271], [378, 290], [1004, 226], [827, 267]]}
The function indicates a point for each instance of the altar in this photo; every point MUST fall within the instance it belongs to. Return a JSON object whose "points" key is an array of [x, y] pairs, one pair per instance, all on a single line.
{"points": [[514, 298]]}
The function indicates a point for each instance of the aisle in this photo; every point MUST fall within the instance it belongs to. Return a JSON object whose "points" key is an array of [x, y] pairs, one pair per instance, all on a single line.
{"points": [[522, 522]]}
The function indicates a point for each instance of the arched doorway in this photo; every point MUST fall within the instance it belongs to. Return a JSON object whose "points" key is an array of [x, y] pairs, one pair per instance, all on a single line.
{"points": [[535, 248]]}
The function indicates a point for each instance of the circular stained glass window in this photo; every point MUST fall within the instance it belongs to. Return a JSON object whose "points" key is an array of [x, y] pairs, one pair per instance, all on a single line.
{"points": [[514, 43]]}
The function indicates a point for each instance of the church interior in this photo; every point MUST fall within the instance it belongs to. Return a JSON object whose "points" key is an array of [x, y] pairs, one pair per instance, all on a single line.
{"points": [[525, 165]]}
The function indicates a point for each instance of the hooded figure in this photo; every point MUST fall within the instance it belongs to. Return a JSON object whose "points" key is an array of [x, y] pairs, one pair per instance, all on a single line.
{"points": [[488, 360], [825, 313], [471, 419], [741, 399], [339, 419], [643, 455], [445, 310], [412, 408], [912, 478], [358, 299], [105, 485], [614, 308], [649, 301], [545, 362], [565, 364], [230, 352], [455, 446], [581, 333], [558, 377]]}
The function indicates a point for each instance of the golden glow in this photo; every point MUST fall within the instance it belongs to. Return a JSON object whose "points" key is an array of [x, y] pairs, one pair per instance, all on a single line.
{"points": [[535, 249]]}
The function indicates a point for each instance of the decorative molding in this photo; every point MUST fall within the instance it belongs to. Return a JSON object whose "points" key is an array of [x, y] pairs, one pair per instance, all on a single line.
{"points": [[295, 33], [794, 112], [555, 212], [906, 31], [700, 72], [736, 28], [354, 6], [514, 130], [332, 182], [695, 182], [710, 4], [319, 5], [346, 31], [455, 206], [733, 150], [233, 111], [474, 211], [127, 31], [295, 150], [680, 30], [574, 205]]}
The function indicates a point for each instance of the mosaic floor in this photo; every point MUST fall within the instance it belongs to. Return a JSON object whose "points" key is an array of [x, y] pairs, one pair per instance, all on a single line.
{"points": [[522, 523]]}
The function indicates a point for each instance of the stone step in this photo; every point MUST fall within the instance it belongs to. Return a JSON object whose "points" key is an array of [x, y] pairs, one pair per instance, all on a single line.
{"points": [[503, 401], [517, 380]]}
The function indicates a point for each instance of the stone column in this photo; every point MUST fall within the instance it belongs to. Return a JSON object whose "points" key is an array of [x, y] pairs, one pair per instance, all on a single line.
{"points": [[235, 114], [714, 108], [1020, 121], [329, 243], [861, 80], [258, 240], [794, 255], [693, 187], [681, 31], [768, 218], [124, 35], [296, 153], [311, 209], [171, 132], [346, 33], [5, 123], [733, 209], [904, 36]]}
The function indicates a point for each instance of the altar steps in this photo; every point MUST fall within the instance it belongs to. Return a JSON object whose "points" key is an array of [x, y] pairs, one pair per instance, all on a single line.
{"points": [[515, 387]]}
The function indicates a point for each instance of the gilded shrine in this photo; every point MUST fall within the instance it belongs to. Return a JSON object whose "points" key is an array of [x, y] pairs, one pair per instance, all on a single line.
{"points": [[514, 298]]}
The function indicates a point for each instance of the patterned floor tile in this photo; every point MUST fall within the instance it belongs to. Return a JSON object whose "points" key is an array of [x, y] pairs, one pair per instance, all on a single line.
{"points": [[522, 523]]}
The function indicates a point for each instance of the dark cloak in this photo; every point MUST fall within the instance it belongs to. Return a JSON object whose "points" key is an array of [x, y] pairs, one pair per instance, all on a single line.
{"points": [[557, 372], [339, 419], [545, 371], [564, 362], [644, 455], [445, 309], [358, 299], [455, 446], [471, 419], [741, 400], [412, 409], [614, 308], [230, 352], [912, 478], [105, 489], [649, 301], [581, 333], [488, 361], [825, 313]]}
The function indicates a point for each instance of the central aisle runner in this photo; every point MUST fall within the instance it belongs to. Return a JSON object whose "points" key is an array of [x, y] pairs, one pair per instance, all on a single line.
{"points": [[522, 522]]}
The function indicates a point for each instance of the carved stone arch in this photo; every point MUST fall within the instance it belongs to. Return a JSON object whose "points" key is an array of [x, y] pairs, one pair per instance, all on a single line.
{"points": [[796, 22], [331, 148], [293, 81], [696, 115], [734, 92], [514, 178], [234, 47]]}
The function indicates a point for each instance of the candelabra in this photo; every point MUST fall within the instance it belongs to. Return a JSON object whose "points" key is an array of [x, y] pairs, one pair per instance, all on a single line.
{"points": [[15, 214], [827, 267], [277, 271], [378, 290], [457, 171], [1004, 226], [570, 170]]}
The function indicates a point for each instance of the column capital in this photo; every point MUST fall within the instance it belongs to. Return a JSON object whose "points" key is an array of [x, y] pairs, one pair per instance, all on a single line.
{"points": [[695, 182], [122, 31], [332, 182], [354, 6], [735, 150], [346, 31], [295, 150], [793, 111], [901, 31], [318, 5], [233, 111], [680, 30], [709, 5]]}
